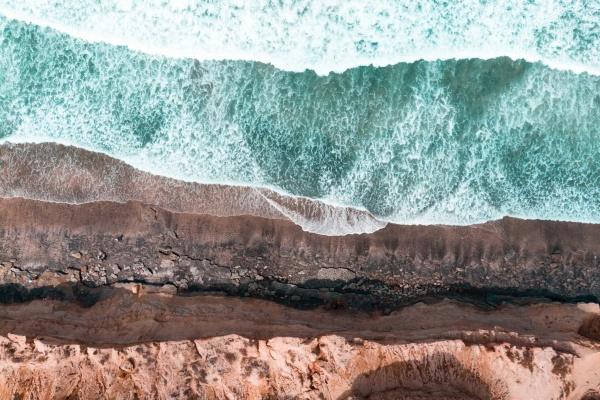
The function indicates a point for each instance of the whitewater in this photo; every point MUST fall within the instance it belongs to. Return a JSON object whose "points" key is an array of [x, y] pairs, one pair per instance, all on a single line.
{"points": [[332, 35], [416, 112]]}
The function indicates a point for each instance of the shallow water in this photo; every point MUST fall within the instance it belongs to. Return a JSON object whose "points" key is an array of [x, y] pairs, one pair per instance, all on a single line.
{"points": [[440, 141]]}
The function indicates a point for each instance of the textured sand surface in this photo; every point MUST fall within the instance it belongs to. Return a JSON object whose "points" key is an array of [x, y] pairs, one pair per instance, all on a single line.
{"points": [[142, 343], [328, 367]]}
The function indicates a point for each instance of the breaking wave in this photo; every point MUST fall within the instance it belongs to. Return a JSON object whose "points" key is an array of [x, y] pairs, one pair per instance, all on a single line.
{"points": [[335, 35], [447, 141]]}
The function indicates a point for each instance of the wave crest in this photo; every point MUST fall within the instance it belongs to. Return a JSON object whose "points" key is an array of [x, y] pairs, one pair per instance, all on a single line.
{"points": [[333, 36], [455, 142]]}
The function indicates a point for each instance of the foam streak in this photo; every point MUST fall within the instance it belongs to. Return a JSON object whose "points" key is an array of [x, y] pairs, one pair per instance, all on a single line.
{"points": [[333, 36]]}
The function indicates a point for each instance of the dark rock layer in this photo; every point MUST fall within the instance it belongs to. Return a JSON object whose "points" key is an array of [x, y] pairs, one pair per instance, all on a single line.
{"points": [[45, 244]]}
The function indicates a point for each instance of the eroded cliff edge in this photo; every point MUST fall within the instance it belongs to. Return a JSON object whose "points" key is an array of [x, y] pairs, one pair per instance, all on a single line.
{"points": [[139, 343]]}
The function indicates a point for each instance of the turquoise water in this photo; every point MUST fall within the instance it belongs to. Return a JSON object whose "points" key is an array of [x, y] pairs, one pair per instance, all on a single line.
{"points": [[332, 35], [441, 141]]}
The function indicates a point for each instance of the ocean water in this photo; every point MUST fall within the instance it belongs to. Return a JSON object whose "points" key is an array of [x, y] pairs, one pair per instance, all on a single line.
{"points": [[419, 112], [332, 35]]}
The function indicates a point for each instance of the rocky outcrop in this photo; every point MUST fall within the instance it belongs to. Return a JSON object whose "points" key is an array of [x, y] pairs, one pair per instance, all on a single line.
{"points": [[103, 243]]}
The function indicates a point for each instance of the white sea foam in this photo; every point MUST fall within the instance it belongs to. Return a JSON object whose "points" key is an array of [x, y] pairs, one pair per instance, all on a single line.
{"points": [[324, 218], [72, 176], [333, 35], [456, 142]]}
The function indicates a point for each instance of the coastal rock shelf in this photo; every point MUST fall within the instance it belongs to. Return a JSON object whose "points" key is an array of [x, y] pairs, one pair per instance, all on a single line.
{"points": [[104, 243]]}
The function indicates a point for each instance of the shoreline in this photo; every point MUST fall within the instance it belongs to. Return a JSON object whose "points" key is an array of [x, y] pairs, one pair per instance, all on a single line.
{"points": [[62, 173], [231, 299]]}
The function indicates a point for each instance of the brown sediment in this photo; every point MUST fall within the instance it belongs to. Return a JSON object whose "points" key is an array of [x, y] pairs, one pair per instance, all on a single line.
{"points": [[136, 226], [131, 314], [591, 328], [143, 342], [66, 174], [155, 288], [104, 243]]}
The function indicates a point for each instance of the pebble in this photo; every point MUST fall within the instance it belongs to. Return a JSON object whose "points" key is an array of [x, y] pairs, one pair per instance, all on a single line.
{"points": [[75, 254]]}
